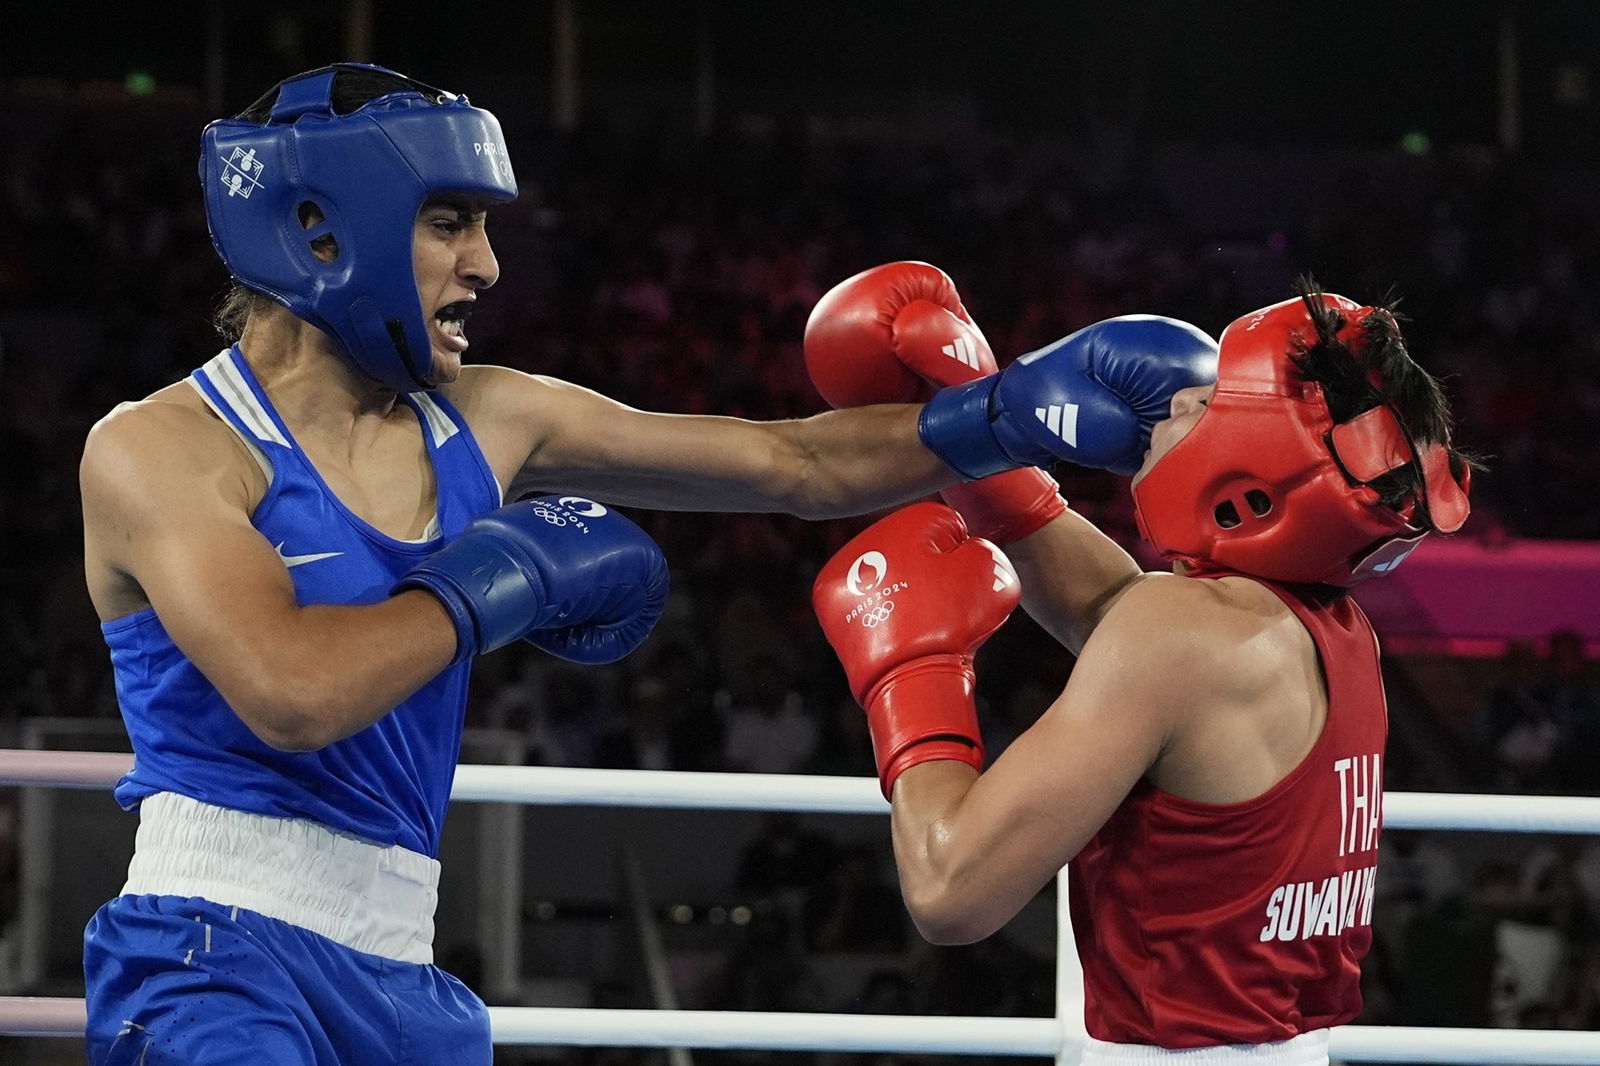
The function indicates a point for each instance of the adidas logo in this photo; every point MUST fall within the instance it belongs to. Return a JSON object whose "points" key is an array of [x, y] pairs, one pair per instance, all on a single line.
{"points": [[1003, 574], [962, 351], [1060, 419]]}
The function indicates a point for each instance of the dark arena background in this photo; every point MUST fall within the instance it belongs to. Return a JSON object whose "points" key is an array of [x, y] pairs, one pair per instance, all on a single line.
{"points": [[694, 176]]}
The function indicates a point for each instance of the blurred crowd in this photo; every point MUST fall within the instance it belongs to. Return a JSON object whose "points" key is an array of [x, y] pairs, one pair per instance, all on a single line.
{"points": [[1538, 723], [675, 271]]}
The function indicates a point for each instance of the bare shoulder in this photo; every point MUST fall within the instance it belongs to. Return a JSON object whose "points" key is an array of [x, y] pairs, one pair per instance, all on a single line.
{"points": [[493, 396], [151, 470], [1172, 611], [175, 418], [1233, 630], [518, 417], [478, 383], [491, 392], [169, 438], [1234, 674]]}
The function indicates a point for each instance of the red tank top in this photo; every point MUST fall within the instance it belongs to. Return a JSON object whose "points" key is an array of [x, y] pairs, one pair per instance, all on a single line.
{"points": [[1201, 924]]}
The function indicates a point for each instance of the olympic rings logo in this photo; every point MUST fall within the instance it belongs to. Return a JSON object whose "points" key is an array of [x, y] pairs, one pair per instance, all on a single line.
{"points": [[555, 518], [878, 615]]}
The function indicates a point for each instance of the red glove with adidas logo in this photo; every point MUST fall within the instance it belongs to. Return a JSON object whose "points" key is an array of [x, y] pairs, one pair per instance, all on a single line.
{"points": [[906, 604], [895, 334], [886, 335]]}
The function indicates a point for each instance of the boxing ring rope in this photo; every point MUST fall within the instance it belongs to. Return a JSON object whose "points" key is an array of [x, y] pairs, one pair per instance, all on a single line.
{"points": [[751, 1030], [671, 789], [756, 1031]]}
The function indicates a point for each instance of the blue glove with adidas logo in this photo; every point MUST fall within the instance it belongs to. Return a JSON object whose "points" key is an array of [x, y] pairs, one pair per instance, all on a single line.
{"points": [[567, 574], [1089, 398]]}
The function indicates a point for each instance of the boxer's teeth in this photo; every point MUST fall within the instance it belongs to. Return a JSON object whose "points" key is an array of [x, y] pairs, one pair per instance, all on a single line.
{"points": [[459, 311]]}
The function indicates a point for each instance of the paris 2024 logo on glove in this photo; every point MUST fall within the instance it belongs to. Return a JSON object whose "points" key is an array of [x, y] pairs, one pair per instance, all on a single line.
{"points": [[866, 579], [569, 511]]}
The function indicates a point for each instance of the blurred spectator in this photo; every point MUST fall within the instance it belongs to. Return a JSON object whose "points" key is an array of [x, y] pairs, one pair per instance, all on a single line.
{"points": [[883, 992], [659, 733], [463, 960], [854, 908], [10, 893], [1571, 691], [1417, 873], [562, 714], [1449, 963], [1541, 938], [767, 971], [844, 745], [1017, 709], [769, 730], [787, 859], [1518, 725]]}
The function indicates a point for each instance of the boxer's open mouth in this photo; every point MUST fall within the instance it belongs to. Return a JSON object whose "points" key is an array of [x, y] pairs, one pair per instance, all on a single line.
{"points": [[452, 319]]}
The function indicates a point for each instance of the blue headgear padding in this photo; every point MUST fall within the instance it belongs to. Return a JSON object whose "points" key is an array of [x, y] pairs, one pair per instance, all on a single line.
{"points": [[369, 172]]}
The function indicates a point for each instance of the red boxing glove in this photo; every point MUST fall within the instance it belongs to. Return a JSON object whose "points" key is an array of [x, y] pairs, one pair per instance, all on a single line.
{"points": [[1006, 507], [893, 334], [905, 605]]}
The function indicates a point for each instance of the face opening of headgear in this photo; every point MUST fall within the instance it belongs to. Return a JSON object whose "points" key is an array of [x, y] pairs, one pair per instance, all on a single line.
{"points": [[1268, 483], [367, 171]]}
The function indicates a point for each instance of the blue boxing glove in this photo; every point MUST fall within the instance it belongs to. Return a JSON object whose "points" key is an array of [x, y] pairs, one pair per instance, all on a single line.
{"points": [[572, 576], [1090, 398]]}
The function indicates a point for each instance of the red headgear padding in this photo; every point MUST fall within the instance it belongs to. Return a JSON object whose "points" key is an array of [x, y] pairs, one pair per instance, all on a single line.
{"points": [[1266, 484]]}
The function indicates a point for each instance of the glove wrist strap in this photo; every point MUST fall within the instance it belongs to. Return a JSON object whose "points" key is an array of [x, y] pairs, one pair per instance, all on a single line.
{"points": [[921, 712], [1006, 507], [955, 426], [491, 598]]}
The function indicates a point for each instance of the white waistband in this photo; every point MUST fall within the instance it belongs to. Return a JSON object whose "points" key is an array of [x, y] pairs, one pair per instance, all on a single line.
{"points": [[1307, 1049], [371, 898]]}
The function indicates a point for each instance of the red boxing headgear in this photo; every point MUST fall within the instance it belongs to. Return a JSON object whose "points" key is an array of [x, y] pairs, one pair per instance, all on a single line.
{"points": [[1267, 484]]}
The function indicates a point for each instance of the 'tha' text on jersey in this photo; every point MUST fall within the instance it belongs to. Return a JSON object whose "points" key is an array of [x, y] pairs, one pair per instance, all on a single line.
{"points": [[1300, 910]]}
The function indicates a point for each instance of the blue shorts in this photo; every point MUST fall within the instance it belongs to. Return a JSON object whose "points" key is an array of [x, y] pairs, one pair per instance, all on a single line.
{"points": [[174, 980]]}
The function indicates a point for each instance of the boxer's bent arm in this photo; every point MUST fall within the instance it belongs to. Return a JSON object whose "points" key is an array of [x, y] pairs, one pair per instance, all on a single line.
{"points": [[973, 850], [164, 506], [553, 435], [1072, 574]]}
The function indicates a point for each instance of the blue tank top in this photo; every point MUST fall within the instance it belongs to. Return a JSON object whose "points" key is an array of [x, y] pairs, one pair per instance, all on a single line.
{"points": [[388, 783]]}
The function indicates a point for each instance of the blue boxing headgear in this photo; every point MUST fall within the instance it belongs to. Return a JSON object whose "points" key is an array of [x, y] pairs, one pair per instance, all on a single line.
{"points": [[368, 172]]}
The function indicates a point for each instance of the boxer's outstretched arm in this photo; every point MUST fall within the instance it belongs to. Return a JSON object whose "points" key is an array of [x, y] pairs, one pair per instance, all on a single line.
{"points": [[549, 434], [166, 517]]}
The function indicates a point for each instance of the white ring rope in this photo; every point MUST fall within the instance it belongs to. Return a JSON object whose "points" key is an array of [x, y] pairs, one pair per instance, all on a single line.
{"points": [[662, 789], [760, 1031], [754, 1030]]}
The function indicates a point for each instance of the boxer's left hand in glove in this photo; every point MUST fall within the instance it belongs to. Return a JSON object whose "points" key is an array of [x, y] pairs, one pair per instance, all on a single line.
{"points": [[569, 575], [906, 604]]}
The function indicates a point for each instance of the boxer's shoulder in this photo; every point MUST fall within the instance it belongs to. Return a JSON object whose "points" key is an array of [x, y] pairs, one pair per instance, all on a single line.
{"points": [[513, 413], [1230, 632], [170, 431], [489, 391], [1235, 672]]}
